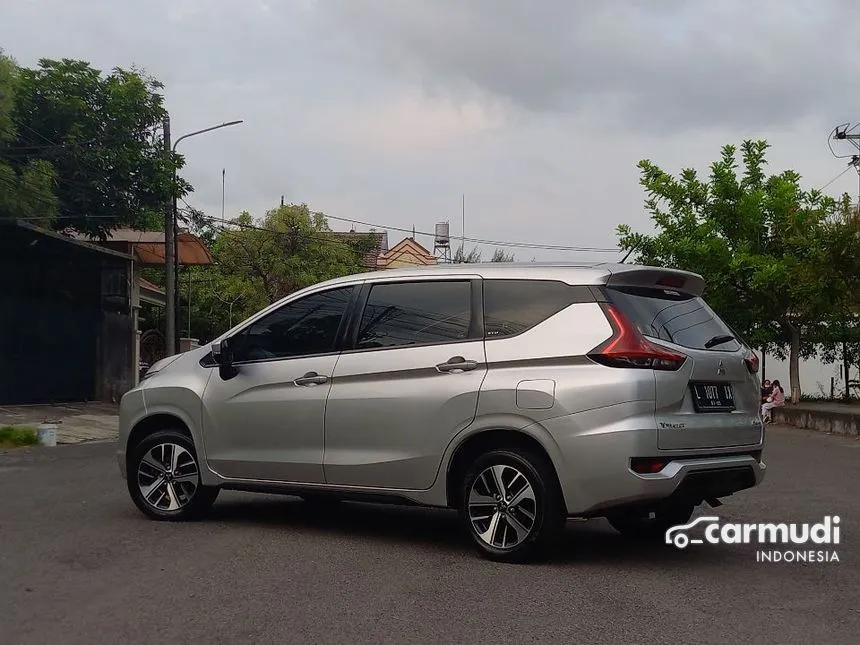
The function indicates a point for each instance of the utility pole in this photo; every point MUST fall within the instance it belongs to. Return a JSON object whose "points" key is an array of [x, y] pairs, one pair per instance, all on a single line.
{"points": [[223, 182], [169, 256], [172, 286], [846, 132], [464, 222], [176, 298]]}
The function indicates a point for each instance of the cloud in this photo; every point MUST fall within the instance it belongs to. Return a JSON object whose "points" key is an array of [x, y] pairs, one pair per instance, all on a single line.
{"points": [[658, 65], [411, 125], [388, 111]]}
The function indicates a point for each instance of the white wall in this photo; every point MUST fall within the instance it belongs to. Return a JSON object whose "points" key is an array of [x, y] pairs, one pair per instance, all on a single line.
{"points": [[814, 375]]}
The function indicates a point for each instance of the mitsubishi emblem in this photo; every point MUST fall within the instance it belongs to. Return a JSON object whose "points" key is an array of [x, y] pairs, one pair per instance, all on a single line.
{"points": [[720, 369]]}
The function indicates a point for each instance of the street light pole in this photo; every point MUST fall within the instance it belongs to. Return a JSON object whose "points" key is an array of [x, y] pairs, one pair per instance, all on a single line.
{"points": [[172, 258], [169, 264]]}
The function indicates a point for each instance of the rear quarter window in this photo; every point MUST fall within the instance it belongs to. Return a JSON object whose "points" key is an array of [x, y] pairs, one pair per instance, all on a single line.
{"points": [[512, 307], [676, 317]]}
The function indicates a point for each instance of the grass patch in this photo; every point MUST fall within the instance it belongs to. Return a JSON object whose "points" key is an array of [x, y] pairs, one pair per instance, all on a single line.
{"points": [[17, 436]]}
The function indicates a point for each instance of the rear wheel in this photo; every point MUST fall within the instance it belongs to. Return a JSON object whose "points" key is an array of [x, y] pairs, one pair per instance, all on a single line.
{"points": [[164, 478], [651, 524], [511, 506]]}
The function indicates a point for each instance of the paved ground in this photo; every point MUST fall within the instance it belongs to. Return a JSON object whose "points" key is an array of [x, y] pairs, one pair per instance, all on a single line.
{"points": [[78, 564], [76, 422]]}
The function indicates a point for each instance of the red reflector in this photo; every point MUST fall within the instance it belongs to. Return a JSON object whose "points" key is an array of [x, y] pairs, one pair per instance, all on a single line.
{"points": [[629, 348], [646, 465], [752, 362]]}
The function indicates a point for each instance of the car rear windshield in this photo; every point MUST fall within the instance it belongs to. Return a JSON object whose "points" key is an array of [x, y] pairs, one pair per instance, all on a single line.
{"points": [[679, 318]]}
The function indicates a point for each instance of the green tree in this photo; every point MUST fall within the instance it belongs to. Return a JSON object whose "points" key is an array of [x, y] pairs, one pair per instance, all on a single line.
{"points": [[101, 133], [462, 256], [26, 189], [839, 337], [257, 262], [761, 242], [500, 255], [289, 249], [474, 256]]}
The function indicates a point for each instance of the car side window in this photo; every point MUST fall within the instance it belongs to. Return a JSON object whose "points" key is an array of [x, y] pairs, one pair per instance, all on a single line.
{"points": [[416, 313], [304, 327], [514, 306]]}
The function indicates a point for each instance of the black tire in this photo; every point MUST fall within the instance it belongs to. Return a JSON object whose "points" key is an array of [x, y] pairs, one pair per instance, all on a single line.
{"points": [[651, 525], [548, 507], [193, 502]]}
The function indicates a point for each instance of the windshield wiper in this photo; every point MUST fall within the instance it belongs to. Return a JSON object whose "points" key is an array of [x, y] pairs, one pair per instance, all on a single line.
{"points": [[718, 340]]}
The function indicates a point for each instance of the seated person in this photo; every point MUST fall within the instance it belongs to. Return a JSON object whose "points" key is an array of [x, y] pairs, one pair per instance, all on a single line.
{"points": [[775, 400], [766, 389]]}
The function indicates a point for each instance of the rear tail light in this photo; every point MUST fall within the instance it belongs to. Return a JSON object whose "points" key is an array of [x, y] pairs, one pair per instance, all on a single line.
{"points": [[752, 362], [629, 348]]}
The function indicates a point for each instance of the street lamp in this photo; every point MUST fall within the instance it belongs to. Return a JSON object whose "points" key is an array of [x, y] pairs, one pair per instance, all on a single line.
{"points": [[171, 259]]}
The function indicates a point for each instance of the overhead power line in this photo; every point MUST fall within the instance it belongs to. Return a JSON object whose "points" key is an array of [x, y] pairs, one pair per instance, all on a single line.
{"points": [[526, 245], [835, 178]]}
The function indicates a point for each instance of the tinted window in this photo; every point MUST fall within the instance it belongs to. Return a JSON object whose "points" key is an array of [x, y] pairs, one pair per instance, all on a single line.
{"points": [[307, 326], [679, 318], [413, 313], [513, 306]]}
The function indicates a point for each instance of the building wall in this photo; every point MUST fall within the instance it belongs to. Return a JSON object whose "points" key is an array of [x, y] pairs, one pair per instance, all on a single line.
{"points": [[114, 355], [406, 260], [815, 375], [65, 324]]}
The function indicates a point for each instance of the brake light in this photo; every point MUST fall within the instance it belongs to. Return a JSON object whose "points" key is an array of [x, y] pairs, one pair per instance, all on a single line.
{"points": [[675, 281], [629, 348], [752, 362]]}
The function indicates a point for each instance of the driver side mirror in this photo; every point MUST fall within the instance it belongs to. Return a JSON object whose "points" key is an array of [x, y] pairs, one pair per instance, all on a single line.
{"points": [[223, 354]]}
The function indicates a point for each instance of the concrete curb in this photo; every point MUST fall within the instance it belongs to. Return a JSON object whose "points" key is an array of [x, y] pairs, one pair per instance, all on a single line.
{"points": [[826, 420]]}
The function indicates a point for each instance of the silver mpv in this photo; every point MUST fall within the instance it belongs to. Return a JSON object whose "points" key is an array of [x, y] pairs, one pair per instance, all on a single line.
{"points": [[519, 395]]}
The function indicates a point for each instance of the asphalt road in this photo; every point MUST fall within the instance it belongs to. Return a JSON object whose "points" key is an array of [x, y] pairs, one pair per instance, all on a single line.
{"points": [[79, 564]]}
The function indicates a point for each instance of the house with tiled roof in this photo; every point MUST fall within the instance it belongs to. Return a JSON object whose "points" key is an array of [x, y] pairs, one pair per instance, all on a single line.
{"points": [[380, 245], [406, 253]]}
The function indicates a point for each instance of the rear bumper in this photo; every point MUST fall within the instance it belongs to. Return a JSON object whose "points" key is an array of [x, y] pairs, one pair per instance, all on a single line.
{"points": [[685, 480], [699, 479], [596, 475]]}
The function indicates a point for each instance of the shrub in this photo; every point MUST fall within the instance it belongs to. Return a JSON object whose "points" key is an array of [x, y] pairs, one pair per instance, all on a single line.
{"points": [[15, 436]]}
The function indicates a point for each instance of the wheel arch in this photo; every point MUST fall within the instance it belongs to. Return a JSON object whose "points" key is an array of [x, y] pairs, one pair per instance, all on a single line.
{"points": [[479, 442]]}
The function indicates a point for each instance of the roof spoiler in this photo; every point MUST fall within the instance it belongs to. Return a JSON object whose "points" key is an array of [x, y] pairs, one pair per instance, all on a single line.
{"points": [[658, 278]]}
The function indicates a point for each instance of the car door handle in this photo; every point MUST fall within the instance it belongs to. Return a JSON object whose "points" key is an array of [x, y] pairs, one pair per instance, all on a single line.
{"points": [[457, 364], [311, 379]]}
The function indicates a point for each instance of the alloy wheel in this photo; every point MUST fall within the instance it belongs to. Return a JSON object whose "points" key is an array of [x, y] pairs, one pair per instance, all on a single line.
{"points": [[502, 506], [167, 477]]}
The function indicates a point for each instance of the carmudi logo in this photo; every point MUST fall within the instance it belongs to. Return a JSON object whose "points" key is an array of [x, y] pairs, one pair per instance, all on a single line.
{"points": [[822, 537]]}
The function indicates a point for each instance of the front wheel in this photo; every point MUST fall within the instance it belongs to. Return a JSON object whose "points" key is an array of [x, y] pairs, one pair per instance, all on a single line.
{"points": [[653, 524], [511, 505], [164, 478]]}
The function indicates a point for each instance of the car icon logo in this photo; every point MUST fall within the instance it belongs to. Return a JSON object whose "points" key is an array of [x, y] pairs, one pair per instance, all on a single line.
{"points": [[677, 534], [720, 369]]}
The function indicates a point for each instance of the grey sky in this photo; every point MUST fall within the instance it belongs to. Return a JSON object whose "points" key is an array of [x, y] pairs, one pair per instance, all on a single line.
{"points": [[386, 112]]}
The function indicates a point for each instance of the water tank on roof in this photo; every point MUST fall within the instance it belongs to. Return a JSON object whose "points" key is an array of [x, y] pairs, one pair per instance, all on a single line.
{"points": [[443, 236]]}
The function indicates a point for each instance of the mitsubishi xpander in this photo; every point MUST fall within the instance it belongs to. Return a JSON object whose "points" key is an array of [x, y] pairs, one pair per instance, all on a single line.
{"points": [[519, 395]]}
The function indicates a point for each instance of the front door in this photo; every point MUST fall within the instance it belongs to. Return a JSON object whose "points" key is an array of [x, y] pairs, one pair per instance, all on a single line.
{"points": [[409, 384], [267, 421]]}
